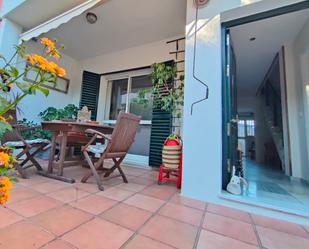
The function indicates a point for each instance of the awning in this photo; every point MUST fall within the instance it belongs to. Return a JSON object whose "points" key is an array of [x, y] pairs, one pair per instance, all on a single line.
{"points": [[58, 20]]}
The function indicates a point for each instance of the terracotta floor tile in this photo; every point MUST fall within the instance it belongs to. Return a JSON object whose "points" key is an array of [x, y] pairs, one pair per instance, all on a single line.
{"points": [[145, 202], [182, 213], [50, 186], [230, 227], [141, 242], [126, 216], [143, 181], [58, 244], [117, 194], [32, 181], [210, 240], [131, 187], [23, 235], [273, 239], [171, 232], [60, 220], [229, 212], [8, 217], [94, 204], [88, 187], [20, 194], [178, 199], [70, 194], [160, 192], [98, 233], [280, 225], [34, 206]]}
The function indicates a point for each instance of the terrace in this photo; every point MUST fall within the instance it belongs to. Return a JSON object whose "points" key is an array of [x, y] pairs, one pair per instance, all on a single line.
{"points": [[46, 213]]}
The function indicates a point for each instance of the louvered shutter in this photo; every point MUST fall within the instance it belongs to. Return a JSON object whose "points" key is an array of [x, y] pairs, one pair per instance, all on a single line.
{"points": [[90, 92], [161, 127]]}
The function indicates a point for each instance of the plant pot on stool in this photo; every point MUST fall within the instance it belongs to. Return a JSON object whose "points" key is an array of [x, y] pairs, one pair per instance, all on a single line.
{"points": [[171, 167]]}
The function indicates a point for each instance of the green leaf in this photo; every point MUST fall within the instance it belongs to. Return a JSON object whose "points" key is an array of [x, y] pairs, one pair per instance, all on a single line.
{"points": [[25, 87], [43, 90], [4, 127], [14, 72]]}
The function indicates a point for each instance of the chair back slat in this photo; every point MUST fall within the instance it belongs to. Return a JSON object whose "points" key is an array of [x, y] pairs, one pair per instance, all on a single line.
{"points": [[124, 133]]}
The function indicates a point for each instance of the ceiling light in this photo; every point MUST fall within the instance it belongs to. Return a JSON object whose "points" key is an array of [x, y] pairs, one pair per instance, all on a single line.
{"points": [[91, 18], [252, 39]]}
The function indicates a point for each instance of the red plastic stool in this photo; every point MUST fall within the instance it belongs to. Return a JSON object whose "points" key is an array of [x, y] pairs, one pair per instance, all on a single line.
{"points": [[171, 173]]}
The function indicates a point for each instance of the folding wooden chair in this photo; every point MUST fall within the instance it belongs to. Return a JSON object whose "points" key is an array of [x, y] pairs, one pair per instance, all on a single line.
{"points": [[30, 148], [115, 148]]}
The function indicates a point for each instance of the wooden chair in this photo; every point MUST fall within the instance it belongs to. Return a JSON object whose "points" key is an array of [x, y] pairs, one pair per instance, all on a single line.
{"points": [[30, 148], [116, 148]]}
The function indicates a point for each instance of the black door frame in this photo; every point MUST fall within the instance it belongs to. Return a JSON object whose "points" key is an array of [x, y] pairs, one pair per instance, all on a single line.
{"points": [[225, 26]]}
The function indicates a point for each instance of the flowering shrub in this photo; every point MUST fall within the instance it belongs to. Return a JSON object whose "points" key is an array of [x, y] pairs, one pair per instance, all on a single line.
{"points": [[46, 70], [6, 162]]}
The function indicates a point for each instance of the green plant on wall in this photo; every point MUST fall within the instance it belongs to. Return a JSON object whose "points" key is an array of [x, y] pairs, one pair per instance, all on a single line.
{"points": [[165, 94]]}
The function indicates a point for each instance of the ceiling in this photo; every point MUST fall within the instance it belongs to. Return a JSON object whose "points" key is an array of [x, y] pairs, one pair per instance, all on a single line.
{"points": [[253, 58], [34, 12], [122, 24]]}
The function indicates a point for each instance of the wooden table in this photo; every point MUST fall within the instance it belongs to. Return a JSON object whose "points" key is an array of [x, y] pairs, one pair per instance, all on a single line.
{"points": [[63, 128]]}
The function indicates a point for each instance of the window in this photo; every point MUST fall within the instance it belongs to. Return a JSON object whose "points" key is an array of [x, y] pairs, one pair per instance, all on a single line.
{"points": [[131, 94], [250, 125], [246, 128]]}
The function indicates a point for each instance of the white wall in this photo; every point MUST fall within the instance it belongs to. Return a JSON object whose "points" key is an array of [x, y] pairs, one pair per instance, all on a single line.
{"points": [[9, 35], [130, 58], [297, 64], [9, 5], [31, 106]]}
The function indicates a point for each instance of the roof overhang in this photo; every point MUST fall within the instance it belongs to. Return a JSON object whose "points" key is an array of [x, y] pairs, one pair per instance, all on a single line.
{"points": [[59, 20]]}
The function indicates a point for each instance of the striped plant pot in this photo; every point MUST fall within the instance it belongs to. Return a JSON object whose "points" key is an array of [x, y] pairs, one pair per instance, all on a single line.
{"points": [[171, 156]]}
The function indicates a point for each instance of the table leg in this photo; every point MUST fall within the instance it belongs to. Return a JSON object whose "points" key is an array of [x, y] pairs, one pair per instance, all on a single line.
{"points": [[62, 153], [52, 153]]}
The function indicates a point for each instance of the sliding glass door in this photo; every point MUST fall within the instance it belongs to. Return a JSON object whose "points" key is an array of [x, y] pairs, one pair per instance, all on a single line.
{"points": [[132, 93]]}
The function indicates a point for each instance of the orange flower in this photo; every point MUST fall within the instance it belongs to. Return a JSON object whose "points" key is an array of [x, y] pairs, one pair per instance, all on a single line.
{"points": [[4, 197], [5, 184], [60, 71], [4, 159], [48, 43], [2, 119]]}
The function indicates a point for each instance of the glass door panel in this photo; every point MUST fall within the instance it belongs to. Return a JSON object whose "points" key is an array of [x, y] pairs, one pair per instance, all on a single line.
{"points": [[141, 97], [119, 96]]}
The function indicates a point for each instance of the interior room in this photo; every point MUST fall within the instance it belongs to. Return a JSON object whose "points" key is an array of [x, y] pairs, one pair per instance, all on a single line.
{"points": [[271, 57]]}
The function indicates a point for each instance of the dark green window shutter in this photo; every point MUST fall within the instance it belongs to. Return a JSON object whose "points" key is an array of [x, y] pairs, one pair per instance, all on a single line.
{"points": [[90, 92], [161, 127]]}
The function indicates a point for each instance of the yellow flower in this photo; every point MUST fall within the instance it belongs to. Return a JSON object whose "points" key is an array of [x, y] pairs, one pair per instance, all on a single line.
{"points": [[4, 159]]}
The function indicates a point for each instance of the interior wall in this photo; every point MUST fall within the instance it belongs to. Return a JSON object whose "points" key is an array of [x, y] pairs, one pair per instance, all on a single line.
{"points": [[297, 64], [31, 106]]}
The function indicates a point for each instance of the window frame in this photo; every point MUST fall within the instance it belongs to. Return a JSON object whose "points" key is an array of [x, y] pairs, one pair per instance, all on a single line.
{"points": [[121, 76]]}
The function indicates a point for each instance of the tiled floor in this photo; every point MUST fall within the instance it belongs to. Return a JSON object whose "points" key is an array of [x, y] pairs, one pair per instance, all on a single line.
{"points": [[274, 188], [48, 214]]}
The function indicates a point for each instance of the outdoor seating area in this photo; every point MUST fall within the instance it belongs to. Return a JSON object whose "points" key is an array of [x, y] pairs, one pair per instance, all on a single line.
{"points": [[47, 213]]}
